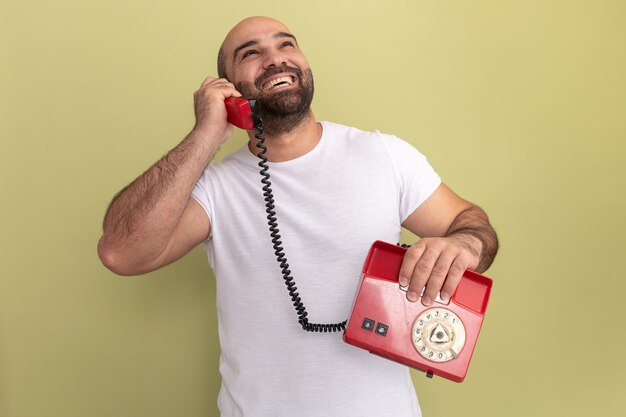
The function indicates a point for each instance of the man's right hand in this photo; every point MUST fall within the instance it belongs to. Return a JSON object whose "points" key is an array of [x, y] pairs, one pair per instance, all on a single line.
{"points": [[210, 109], [154, 220]]}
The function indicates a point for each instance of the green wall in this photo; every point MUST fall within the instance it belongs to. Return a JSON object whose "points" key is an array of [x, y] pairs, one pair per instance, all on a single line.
{"points": [[520, 105]]}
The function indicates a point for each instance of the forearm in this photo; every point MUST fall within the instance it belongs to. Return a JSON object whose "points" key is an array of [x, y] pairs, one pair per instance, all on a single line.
{"points": [[472, 225], [143, 216]]}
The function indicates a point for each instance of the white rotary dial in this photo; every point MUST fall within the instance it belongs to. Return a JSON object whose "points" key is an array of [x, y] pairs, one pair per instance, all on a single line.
{"points": [[438, 335]]}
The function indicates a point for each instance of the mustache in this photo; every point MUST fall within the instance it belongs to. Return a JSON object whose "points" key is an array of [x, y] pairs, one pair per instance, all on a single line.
{"points": [[258, 82]]}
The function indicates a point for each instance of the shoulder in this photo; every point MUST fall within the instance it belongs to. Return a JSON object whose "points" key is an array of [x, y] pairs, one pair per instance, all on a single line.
{"points": [[350, 135], [241, 159], [232, 168], [348, 132]]}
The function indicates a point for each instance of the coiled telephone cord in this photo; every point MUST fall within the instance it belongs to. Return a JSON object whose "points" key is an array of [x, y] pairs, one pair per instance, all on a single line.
{"points": [[277, 244]]}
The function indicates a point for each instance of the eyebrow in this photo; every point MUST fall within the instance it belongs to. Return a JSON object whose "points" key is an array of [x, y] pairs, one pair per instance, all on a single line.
{"points": [[252, 42]]}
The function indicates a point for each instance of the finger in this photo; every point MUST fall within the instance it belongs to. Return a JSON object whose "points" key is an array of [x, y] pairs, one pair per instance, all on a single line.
{"points": [[437, 278], [409, 261], [226, 89], [208, 80], [215, 80], [421, 273], [217, 83], [457, 269]]}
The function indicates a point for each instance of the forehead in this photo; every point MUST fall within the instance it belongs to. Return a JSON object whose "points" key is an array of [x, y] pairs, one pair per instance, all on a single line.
{"points": [[252, 29]]}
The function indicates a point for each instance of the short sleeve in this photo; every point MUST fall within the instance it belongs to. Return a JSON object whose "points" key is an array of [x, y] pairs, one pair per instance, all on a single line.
{"points": [[415, 177], [200, 193]]}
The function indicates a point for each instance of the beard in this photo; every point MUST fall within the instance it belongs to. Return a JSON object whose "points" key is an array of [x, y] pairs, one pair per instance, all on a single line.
{"points": [[281, 111]]}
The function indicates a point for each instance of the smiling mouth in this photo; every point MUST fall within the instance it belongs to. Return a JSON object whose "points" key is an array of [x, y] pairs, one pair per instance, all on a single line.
{"points": [[279, 83]]}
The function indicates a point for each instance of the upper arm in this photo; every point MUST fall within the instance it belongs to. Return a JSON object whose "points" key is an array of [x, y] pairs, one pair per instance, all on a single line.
{"points": [[193, 228], [435, 215]]}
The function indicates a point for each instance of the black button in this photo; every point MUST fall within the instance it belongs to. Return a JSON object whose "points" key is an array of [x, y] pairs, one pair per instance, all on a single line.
{"points": [[368, 324], [381, 329]]}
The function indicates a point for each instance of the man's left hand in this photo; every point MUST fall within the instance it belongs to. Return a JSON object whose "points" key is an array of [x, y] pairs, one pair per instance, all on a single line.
{"points": [[438, 263]]}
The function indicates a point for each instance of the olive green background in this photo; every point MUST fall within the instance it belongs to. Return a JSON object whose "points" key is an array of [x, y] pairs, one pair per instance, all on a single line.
{"points": [[520, 105]]}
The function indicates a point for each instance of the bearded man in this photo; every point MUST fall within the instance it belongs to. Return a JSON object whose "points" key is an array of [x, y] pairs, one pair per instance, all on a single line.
{"points": [[337, 190]]}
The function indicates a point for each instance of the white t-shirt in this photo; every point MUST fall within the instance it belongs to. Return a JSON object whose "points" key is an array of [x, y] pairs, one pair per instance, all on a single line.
{"points": [[332, 203]]}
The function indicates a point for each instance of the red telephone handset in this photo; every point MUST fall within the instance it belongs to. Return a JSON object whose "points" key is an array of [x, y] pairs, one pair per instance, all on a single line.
{"points": [[239, 112]]}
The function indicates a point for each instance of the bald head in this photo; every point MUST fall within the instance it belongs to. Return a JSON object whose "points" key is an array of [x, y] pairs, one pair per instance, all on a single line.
{"points": [[243, 33], [263, 60]]}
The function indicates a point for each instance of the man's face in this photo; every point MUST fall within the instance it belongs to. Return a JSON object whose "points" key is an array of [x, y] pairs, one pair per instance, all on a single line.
{"points": [[264, 62]]}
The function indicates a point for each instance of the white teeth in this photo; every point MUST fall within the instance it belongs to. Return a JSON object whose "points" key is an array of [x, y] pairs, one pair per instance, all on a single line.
{"points": [[272, 83]]}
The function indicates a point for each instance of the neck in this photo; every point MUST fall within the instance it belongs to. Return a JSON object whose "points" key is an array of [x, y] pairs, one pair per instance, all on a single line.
{"points": [[290, 145]]}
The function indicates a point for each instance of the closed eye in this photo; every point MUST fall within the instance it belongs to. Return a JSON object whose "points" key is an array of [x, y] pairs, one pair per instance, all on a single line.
{"points": [[248, 53]]}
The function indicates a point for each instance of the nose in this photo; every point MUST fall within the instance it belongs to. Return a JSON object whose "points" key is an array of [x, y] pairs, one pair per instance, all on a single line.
{"points": [[274, 58]]}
